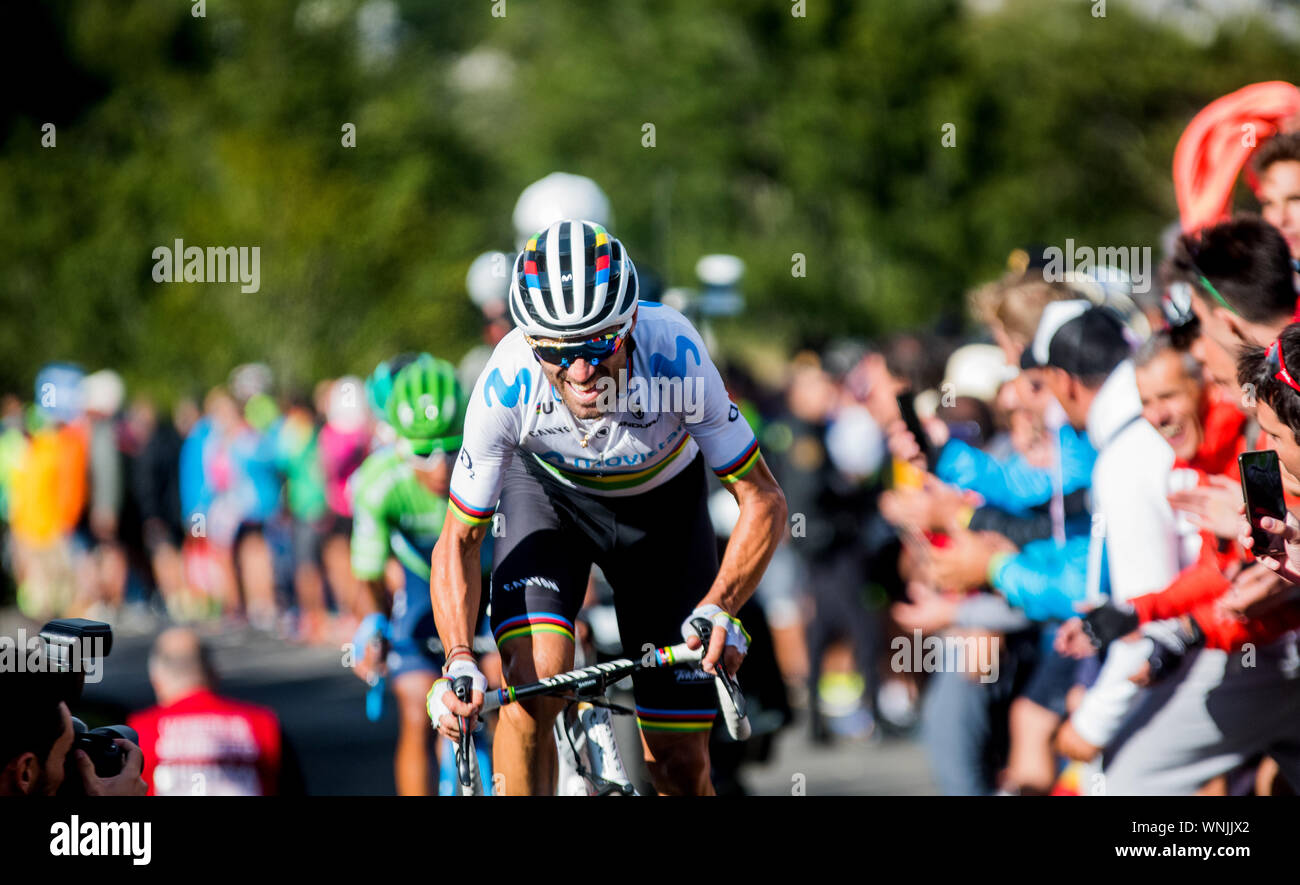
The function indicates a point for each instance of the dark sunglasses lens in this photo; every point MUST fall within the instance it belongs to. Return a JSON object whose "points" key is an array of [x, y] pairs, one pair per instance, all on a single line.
{"points": [[560, 355]]}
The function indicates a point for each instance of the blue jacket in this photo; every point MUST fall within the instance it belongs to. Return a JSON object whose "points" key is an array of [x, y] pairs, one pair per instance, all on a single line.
{"points": [[1014, 485], [1044, 579]]}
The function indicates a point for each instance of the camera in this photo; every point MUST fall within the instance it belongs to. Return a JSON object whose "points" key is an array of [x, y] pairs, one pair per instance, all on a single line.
{"points": [[74, 646], [100, 745]]}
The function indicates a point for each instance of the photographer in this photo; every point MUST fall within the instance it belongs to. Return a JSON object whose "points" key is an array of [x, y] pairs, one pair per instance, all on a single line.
{"points": [[36, 743]]}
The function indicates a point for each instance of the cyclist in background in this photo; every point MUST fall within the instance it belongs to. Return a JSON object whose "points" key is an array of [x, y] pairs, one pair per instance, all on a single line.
{"points": [[584, 476], [399, 501]]}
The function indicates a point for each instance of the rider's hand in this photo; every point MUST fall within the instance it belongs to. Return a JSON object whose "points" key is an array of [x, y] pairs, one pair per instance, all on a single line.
{"points": [[729, 641], [373, 663], [444, 706], [126, 783], [371, 640]]}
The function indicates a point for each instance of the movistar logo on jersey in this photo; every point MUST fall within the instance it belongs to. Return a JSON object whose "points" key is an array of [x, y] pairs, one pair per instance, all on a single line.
{"points": [[507, 394], [676, 366]]}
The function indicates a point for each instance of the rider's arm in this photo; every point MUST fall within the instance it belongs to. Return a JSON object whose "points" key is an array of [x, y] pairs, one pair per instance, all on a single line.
{"points": [[369, 544], [730, 448], [754, 539], [456, 584], [491, 436], [377, 592]]}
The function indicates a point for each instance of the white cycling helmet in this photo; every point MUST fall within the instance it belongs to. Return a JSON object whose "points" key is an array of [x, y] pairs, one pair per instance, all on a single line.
{"points": [[572, 279]]}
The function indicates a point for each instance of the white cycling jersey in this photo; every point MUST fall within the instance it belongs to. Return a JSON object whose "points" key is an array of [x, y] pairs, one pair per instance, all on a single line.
{"points": [[669, 403]]}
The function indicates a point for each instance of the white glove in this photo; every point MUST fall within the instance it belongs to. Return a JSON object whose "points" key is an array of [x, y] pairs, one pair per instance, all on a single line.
{"points": [[436, 704], [736, 635]]}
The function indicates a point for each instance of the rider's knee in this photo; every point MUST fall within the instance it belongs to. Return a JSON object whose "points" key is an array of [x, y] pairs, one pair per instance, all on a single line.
{"points": [[527, 660], [680, 766], [531, 715]]}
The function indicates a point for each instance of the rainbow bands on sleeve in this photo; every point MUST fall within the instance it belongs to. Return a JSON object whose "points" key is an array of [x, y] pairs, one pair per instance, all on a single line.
{"points": [[530, 623], [474, 516], [739, 466]]}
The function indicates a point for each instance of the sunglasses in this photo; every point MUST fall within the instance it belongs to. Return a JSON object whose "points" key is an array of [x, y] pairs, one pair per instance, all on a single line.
{"points": [[593, 350], [1273, 359], [429, 462]]}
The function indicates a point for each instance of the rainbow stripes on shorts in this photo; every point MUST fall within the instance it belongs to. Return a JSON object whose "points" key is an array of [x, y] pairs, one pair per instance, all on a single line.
{"points": [[654, 719], [531, 623]]}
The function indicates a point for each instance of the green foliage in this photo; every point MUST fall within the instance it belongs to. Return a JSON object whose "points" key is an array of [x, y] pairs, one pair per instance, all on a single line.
{"points": [[773, 135]]}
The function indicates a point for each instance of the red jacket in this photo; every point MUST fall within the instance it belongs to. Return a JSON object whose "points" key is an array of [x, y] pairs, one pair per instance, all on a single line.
{"points": [[1198, 587], [203, 744]]}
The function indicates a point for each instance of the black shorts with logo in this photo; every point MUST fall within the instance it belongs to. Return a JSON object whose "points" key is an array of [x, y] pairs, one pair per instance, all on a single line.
{"points": [[657, 550]]}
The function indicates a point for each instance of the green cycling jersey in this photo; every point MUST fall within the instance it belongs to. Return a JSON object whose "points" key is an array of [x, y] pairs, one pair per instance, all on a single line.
{"points": [[392, 510]]}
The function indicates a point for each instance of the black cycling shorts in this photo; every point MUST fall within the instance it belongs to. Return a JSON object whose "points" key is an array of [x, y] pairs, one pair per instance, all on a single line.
{"points": [[658, 552]]}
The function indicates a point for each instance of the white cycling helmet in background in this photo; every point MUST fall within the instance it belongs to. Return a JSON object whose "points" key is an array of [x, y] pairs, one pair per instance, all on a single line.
{"points": [[572, 279], [558, 196]]}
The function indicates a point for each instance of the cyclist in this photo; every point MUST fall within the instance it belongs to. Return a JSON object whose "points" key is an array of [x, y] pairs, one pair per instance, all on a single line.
{"points": [[567, 439], [399, 501]]}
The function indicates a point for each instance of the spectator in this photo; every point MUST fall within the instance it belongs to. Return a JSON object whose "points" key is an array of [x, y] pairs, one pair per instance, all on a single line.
{"points": [[36, 743], [199, 743]]}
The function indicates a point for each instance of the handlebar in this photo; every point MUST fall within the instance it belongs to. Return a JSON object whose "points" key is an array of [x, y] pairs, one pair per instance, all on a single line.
{"points": [[730, 700]]}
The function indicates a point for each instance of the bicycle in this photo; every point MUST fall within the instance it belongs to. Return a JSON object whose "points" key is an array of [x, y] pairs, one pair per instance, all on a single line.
{"points": [[590, 763]]}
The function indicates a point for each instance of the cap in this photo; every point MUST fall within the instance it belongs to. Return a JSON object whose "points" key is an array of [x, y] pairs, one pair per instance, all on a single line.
{"points": [[977, 370], [1055, 315], [1080, 339]]}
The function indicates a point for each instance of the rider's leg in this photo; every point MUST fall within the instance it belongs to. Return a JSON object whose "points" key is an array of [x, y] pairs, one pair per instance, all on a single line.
{"points": [[541, 566], [663, 564], [411, 762], [678, 763], [523, 750]]}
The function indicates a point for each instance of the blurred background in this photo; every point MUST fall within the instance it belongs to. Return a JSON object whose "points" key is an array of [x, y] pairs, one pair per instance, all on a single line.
{"points": [[867, 162]]}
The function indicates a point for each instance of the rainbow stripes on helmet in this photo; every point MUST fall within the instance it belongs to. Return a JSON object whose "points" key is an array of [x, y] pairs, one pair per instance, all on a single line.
{"points": [[570, 280]]}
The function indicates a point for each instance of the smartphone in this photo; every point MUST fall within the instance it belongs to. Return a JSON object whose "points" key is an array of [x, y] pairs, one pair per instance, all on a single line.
{"points": [[907, 407], [1261, 486]]}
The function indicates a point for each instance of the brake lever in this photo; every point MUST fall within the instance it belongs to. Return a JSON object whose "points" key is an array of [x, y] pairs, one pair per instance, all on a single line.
{"points": [[705, 629], [463, 686]]}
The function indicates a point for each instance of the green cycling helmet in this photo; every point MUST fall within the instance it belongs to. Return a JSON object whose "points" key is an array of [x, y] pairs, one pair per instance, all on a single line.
{"points": [[427, 406], [380, 383]]}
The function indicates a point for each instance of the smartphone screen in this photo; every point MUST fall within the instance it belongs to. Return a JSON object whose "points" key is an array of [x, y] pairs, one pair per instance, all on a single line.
{"points": [[1261, 486]]}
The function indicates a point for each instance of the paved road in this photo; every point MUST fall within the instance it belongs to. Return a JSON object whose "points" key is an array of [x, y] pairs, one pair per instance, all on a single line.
{"points": [[341, 753]]}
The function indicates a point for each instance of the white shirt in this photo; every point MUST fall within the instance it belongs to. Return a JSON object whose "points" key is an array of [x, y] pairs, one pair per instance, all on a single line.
{"points": [[1143, 549], [1130, 482]]}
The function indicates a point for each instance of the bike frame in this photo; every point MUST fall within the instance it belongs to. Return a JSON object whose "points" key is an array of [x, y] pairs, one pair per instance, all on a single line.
{"points": [[588, 683]]}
